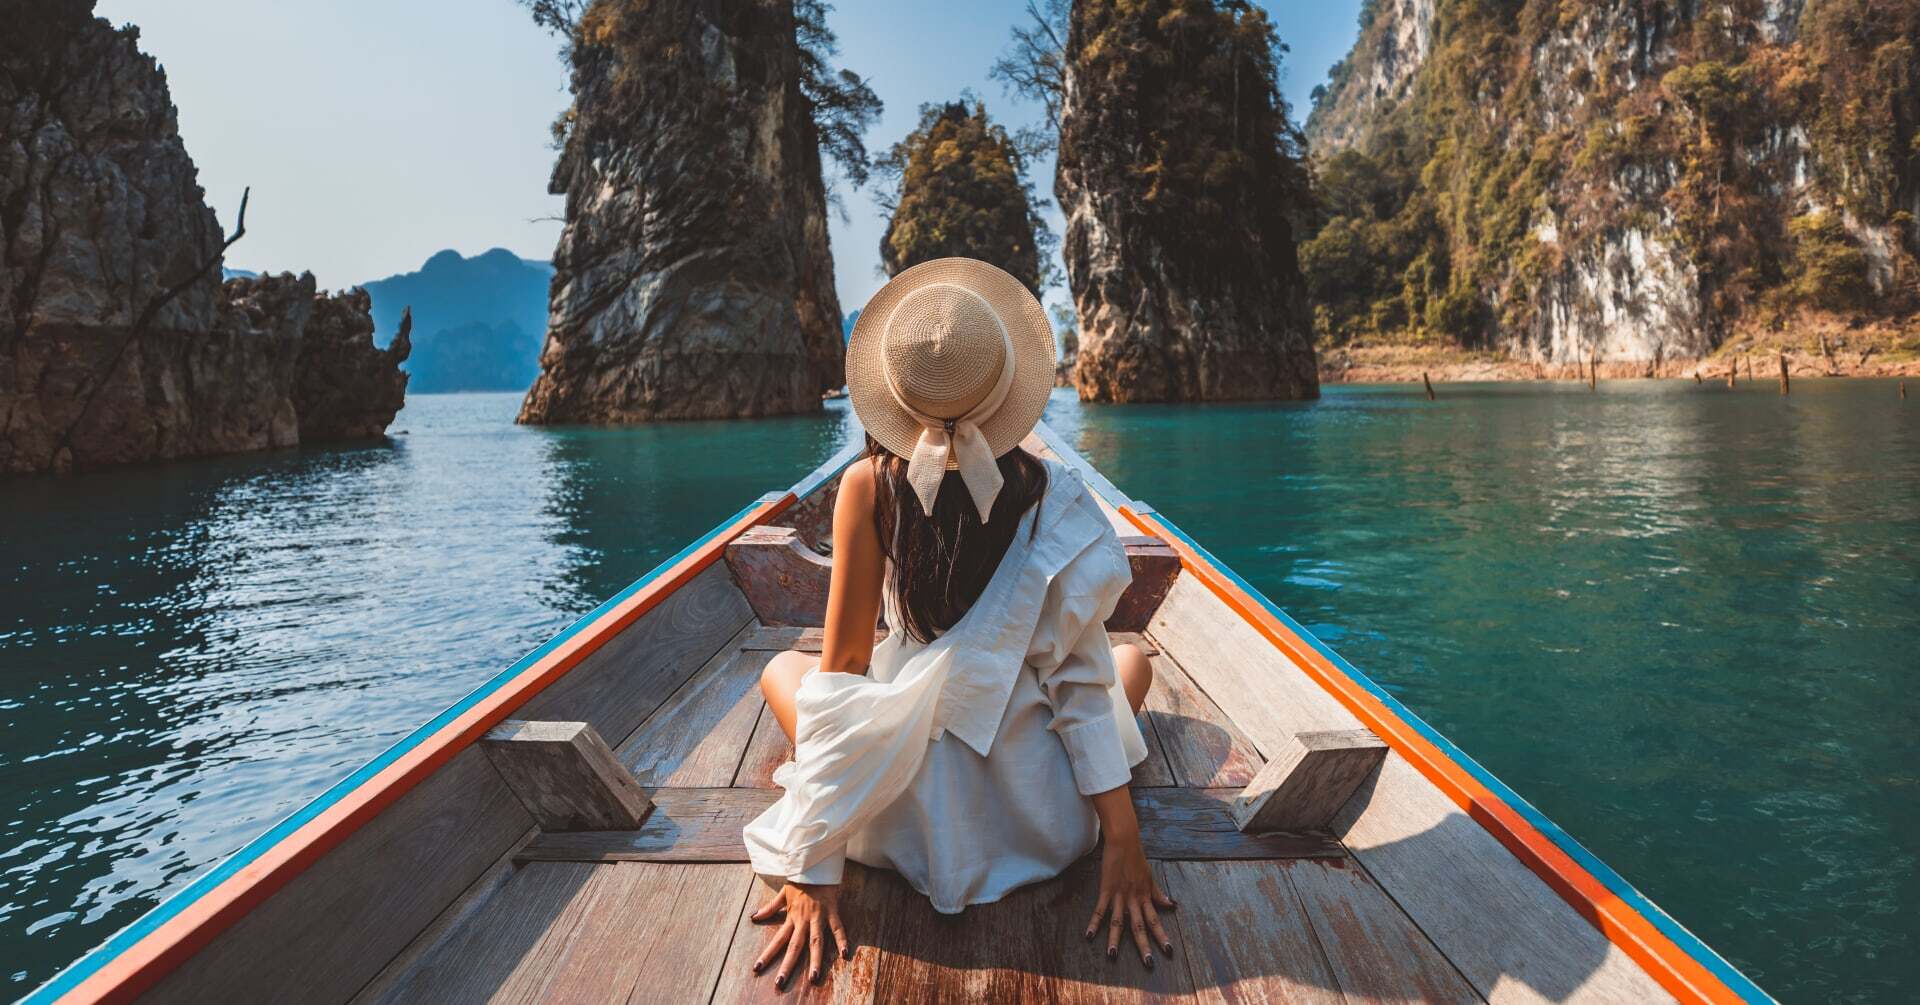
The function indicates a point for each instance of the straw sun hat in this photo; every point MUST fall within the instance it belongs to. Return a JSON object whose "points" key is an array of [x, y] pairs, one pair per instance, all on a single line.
{"points": [[950, 366]]}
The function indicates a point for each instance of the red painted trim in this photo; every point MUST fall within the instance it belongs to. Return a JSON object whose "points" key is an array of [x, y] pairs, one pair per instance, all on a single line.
{"points": [[1667, 963], [141, 966]]}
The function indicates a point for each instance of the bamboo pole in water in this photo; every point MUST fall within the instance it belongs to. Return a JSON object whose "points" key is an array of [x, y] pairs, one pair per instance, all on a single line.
{"points": [[1593, 369], [1696, 377], [1784, 389], [1903, 390], [1429, 383], [1733, 369]]}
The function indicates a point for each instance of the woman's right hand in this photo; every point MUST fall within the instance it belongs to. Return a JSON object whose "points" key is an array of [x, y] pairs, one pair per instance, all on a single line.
{"points": [[812, 912]]}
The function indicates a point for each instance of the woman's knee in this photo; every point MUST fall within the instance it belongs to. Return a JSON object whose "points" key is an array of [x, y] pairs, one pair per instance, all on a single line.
{"points": [[1135, 671], [782, 676]]}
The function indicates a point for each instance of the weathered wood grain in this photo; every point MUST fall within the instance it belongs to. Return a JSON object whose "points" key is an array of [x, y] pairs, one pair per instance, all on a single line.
{"points": [[784, 579], [1154, 772], [868, 898], [812, 640], [686, 825], [703, 825], [1204, 748], [565, 776], [697, 736], [1376, 952], [621, 683], [326, 933], [1250, 680], [1501, 925], [1027, 947], [569, 932], [1309, 782], [1154, 567], [464, 909], [1245, 935], [1181, 823], [766, 752]]}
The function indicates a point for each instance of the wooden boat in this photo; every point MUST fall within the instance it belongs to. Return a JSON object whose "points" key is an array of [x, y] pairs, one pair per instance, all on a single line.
{"points": [[453, 867]]}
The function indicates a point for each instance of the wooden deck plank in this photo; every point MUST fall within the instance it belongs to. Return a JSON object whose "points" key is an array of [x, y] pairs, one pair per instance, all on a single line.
{"points": [[1253, 683], [1204, 748], [697, 736], [811, 640], [1027, 947], [651, 933], [1376, 952], [703, 825], [620, 684], [1501, 925], [463, 910], [1155, 771], [1246, 937], [768, 749], [512, 944]]}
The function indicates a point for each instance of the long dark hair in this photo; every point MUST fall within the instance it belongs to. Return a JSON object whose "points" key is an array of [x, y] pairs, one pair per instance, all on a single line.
{"points": [[941, 563]]}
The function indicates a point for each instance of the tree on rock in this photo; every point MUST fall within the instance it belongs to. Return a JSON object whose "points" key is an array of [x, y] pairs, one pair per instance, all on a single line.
{"points": [[1179, 173], [960, 189], [693, 278]]}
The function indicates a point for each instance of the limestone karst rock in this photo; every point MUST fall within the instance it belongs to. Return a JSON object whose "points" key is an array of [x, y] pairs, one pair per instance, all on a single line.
{"points": [[961, 191], [693, 278], [1613, 179], [118, 342], [1177, 174]]}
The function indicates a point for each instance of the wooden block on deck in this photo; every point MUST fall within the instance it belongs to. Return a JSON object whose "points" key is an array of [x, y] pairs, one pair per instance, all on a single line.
{"points": [[1154, 567], [785, 580], [1311, 779], [565, 776]]}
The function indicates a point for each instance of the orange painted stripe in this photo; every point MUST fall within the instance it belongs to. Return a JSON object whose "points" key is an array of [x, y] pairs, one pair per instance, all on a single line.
{"points": [[1666, 962], [143, 964]]}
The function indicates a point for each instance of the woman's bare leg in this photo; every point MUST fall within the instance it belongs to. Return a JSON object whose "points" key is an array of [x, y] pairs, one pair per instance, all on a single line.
{"points": [[1136, 672], [780, 680]]}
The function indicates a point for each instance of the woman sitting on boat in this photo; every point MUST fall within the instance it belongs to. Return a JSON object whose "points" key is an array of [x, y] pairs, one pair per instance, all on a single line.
{"points": [[987, 742]]}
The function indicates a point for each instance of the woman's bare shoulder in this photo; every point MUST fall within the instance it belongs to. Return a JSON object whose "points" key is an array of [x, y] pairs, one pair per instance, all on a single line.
{"points": [[857, 490]]}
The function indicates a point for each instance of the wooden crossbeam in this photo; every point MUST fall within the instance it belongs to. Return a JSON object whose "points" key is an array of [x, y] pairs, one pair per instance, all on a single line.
{"points": [[565, 776], [1310, 780], [786, 581]]}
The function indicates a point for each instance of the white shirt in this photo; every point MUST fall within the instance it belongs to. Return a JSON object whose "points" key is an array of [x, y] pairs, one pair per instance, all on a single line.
{"points": [[964, 763]]}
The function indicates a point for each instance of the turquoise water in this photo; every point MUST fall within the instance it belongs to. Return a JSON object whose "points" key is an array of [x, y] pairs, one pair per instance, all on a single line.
{"points": [[1682, 621]]}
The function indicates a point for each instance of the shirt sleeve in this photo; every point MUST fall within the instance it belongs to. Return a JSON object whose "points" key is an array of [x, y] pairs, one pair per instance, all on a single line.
{"points": [[1074, 661], [825, 872]]}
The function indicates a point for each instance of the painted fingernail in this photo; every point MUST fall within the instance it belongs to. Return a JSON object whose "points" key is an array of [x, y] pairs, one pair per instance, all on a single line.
{"points": [[780, 982], [1149, 959], [1167, 947], [1113, 953], [846, 952], [758, 966], [814, 976]]}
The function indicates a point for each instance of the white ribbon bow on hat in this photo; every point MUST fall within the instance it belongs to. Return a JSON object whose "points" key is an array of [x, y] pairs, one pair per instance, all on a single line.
{"points": [[962, 438]]}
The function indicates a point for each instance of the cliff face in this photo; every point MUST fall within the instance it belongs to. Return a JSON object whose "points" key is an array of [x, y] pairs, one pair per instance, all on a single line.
{"points": [[1177, 173], [117, 342], [1616, 179], [693, 278]]}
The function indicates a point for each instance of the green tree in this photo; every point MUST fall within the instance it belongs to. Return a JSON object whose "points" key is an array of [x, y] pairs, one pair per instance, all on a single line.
{"points": [[958, 188]]}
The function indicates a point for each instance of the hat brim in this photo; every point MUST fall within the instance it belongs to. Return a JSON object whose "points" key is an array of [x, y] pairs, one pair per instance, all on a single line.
{"points": [[1034, 356]]}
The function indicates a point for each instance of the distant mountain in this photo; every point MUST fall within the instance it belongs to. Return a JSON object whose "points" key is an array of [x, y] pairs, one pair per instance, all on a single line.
{"points": [[846, 325], [226, 274], [478, 322]]}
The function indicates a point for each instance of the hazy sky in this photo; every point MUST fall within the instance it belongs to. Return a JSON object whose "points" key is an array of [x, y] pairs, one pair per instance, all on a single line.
{"points": [[376, 133]]}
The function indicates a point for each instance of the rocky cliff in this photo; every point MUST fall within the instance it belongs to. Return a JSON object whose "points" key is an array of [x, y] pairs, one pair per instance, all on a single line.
{"points": [[1616, 179], [118, 341], [693, 278], [1177, 173]]}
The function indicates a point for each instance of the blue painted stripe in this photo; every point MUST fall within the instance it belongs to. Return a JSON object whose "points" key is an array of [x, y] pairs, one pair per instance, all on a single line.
{"points": [[168, 909], [1728, 974]]}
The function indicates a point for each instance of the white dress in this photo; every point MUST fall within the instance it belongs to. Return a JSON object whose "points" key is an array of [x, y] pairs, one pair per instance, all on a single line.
{"points": [[964, 763]]}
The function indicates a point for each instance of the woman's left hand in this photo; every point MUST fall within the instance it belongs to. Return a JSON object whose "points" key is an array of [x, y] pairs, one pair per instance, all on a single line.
{"points": [[812, 912]]}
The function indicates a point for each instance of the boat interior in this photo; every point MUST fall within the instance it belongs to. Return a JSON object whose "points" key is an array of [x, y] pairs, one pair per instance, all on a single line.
{"points": [[471, 886]]}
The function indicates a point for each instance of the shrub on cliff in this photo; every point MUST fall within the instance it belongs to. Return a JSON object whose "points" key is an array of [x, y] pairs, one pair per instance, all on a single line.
{"points": [[959, 188]]}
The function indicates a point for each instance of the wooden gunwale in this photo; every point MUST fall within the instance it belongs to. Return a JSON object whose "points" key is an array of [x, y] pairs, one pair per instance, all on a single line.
{"points": [[138, 956], [1671, 954]]}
